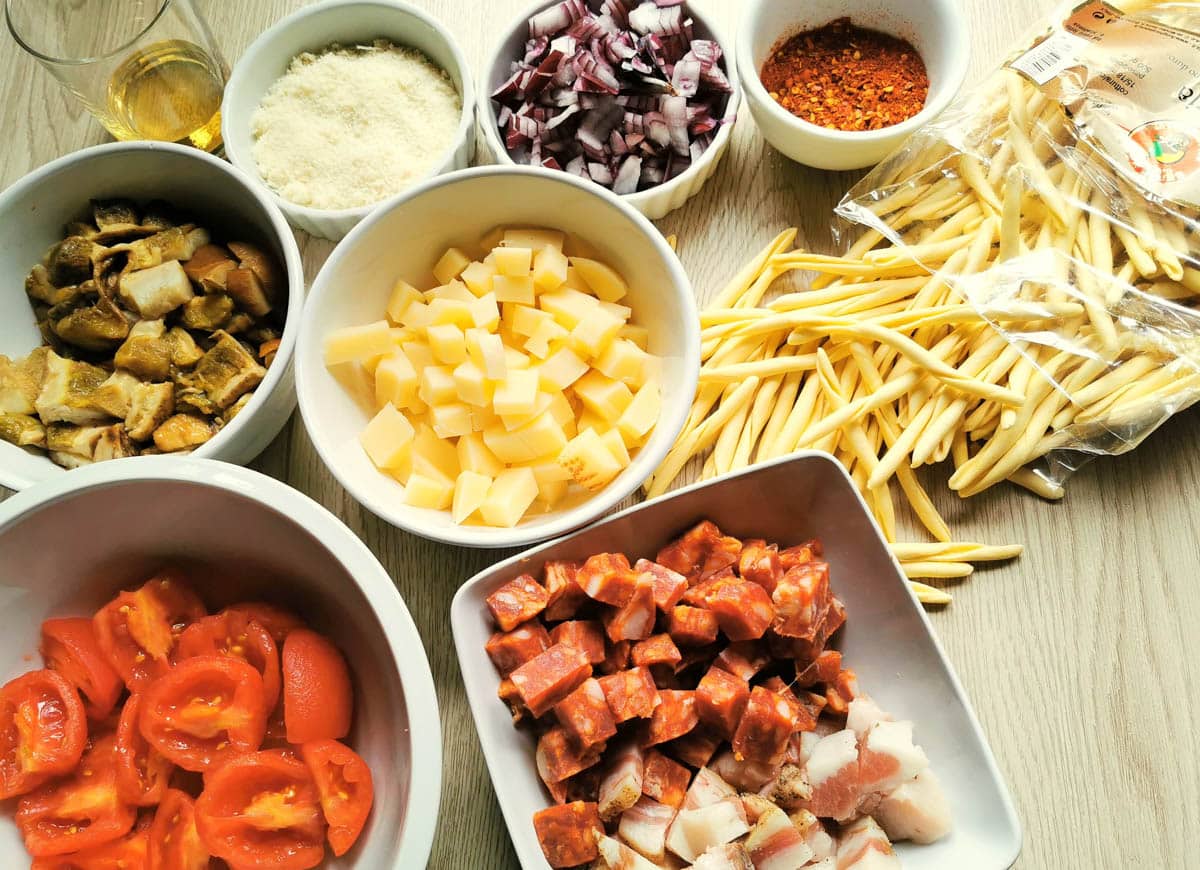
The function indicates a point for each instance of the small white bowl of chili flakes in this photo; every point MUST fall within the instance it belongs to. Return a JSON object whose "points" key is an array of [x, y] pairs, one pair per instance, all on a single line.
{"points": [[841, 85]]}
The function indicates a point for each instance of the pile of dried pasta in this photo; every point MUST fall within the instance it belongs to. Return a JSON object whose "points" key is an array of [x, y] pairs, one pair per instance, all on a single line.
{"points": [[883, 363]]}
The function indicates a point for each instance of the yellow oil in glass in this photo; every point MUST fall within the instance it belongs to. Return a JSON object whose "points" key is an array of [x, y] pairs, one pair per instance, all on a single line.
{"points": [[169, 92]]}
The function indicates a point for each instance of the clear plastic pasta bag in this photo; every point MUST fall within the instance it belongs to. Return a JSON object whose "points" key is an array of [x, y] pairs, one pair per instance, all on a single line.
{"points": [[1060, 200]]}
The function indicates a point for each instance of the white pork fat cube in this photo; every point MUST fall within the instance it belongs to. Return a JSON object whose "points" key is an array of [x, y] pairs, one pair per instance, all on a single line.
{"points": [[916, 811], [888, 757], [696, 831], [615, 855], [775, 844], [731, 856], [864, 846], [621, 787], [644, 827]]}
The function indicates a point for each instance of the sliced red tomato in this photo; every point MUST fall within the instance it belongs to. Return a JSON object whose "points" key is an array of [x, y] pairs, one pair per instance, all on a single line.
{"points": [[278, 620], [43, 730], [69, 646], [143, 773], [80, 811], [276, 736], [344, 783], [205, 710], [237, 634], [174, 841], [317, 698], [262, 810], [131, 852], [137, 630]]}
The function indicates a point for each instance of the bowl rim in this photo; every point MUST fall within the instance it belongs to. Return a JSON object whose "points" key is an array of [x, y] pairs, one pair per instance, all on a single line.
{"points": [[293, 263], [481, 537], [403, 638], [641, 198], [237, 80], [936, 102], [472, 589]]}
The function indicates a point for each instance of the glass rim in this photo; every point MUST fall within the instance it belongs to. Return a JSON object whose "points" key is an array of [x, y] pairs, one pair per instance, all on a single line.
{"points": [[80, 61]]}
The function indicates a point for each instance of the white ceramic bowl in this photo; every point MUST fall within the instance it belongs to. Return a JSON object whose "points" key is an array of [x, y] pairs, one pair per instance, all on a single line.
{"points": [[403, 239], [311, 29], [656, 202], [241, 536], [887, 640], [937, 28], [34, 211]]}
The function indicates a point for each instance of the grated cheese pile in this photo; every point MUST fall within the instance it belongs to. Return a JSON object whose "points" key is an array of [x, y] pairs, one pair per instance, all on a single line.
{"points": [[351, 126]]}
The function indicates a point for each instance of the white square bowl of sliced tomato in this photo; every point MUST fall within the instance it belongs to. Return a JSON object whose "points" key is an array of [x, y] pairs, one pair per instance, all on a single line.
{"points": [[890, 660]]}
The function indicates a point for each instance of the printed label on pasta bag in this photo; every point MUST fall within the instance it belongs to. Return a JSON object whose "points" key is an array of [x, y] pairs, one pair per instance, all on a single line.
{"points": [[1132, 88]]}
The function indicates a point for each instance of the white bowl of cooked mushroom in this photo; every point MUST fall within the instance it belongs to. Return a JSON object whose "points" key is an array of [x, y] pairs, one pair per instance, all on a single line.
{"points": [[151, 296]]}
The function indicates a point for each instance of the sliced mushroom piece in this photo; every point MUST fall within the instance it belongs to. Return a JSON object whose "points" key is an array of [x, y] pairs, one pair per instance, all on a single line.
{"points": [[182, 432], [71, 261], [226, 372], [159, 215], [157, 291], [208, 267], [239, 323], [192, 399], [73, 439], [261, 264], [21, 381], [97, 327], [68, 392], [236, 408], [150, 407], [39, 288], [114, 443], [185, 353], [116, 394], [246, 288], [147, 351], [207, 312], [22, 430], [115, 214], [68, 460]]}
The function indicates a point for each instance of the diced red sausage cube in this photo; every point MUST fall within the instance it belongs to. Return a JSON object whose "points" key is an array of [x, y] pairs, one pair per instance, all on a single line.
{"points": [[692, 626], [759, 563], [545, 680], [656, 650], [744, 610], [779, 687], [669, 585], [686, 554], [507, 692], [801, 599], [568, 833], [809, 551], [630, 694], [664, 779], [723, 553], [841, 692], [585, 716], [517, 601], [607, 578], [762, 735], [674, 716], [635, 620], [509, 650], [565, 595], [721, 700], [558, 758], [697, 595], [616, 657], [584, 634], [824, 670], [695, 748], [743, 659]]}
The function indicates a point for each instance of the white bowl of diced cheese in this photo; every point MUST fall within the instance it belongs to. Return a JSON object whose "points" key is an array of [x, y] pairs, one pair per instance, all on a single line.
{"points": [[435, 434]]}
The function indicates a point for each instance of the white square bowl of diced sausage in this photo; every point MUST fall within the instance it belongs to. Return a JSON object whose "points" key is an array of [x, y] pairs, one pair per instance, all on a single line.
{"points": [[735, 675]]}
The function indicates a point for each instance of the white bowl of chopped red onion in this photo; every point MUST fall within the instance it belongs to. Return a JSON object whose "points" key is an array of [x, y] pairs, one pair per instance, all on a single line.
{"points": [[639, 96]]}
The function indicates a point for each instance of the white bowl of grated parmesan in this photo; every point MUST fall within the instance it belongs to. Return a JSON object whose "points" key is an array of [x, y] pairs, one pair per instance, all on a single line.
{"points": [[345, 104]]}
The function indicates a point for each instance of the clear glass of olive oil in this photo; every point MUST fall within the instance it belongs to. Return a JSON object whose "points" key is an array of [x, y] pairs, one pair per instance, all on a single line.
{"points": [[146, 69]]}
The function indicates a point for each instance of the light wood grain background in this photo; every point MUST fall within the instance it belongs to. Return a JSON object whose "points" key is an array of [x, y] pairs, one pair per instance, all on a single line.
{"points": [[1081, 657]]}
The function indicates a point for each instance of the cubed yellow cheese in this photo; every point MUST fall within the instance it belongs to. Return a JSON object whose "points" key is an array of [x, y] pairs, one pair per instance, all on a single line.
{"points": [[621, 312], [509, 497], [639, 335], [552, 482], [606, 397], [537, 439], [396, 380], [403, 295], [485, 313], [589, 419], [474, 455], [623, 361], [447, 342], [514, 359], [469, 492], [451, 420], [471, 384], [601, 278], [541, 405], [437, 385], [525, 320], [419, 354], [433, 456], [561, 369], [519, 290], [533, 238], [593, 334], [616, 446], [488, 352], [478, 278], [568, 306], [451, 265], [455, 290], [539, 343], [639, 418], [513, 261], [358, 343], [574, 281], [589, 461], [549, 269], [517, 393], [388, 439], [417, 316], [451, 311], [560, 408], [482, 417], [428, 492]]}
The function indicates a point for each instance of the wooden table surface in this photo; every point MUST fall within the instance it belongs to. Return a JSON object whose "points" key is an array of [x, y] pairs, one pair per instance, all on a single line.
{"points": [[1080, 657]]}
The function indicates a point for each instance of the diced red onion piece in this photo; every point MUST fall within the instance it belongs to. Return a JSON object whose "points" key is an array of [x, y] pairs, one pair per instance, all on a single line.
{"points": [[674, 110], [600, 174], [685, 78], [629, 175], [557, 18]]}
